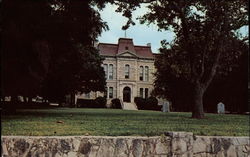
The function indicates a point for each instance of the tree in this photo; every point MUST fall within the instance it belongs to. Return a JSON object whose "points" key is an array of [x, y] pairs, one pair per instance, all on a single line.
{"points": [[205, 43], [47, 48]]}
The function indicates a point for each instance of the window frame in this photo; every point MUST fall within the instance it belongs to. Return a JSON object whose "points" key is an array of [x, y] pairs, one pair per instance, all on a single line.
{"points": [[127, 71], [105, 68], [146, 73], [141, 92], [141, 73], [111, 93], [111, 72]]}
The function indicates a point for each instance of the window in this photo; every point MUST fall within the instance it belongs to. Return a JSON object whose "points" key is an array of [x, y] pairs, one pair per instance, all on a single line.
{"points": [[141, 73], [126, 48], [127, 71], [141, 92], [146, 73], [105, 67], [146, 92], [110, 92], [110, 71]]}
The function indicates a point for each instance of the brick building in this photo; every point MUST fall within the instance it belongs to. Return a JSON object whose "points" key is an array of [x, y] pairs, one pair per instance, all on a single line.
{"points": [[129, 71]]}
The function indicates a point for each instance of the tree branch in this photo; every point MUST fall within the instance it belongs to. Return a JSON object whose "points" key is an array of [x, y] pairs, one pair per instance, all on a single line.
{"points": [[213, 70]]}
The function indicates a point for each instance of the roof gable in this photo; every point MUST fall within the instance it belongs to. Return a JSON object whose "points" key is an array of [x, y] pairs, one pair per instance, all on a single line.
{"points": [[127, 54]]}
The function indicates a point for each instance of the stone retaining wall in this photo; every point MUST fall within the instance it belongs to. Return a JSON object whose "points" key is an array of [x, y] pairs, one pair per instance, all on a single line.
{"points": [[176, 144]]}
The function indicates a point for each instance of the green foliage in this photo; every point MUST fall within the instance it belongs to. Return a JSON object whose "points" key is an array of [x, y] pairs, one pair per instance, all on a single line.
{"points": [[205, 43], [116, 103], [48, 46], [150, 103], [108, 122], [101, 102]]}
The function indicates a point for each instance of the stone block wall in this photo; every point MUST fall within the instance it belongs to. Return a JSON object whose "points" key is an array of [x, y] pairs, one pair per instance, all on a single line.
{"points": [[172, 144]]}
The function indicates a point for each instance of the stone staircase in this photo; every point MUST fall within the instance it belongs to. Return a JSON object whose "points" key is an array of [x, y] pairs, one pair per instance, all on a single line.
{"points": [[129, 106]]}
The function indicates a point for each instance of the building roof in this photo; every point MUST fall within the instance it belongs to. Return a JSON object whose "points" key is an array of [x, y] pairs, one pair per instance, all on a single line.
{"points": [[125, 44]]}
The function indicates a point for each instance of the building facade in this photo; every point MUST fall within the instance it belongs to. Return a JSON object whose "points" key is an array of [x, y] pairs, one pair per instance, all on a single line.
{"points": [[128, 70]]}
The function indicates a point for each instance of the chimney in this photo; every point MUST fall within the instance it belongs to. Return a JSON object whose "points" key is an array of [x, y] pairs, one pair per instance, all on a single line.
{"points": [[149, 44], [96, 43]]}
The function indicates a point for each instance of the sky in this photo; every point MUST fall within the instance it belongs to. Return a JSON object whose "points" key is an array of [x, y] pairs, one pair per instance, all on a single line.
{"points": [[141, 34]]}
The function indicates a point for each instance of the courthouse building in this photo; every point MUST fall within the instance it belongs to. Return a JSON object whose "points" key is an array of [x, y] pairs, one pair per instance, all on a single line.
{"points": [[129, 71]]}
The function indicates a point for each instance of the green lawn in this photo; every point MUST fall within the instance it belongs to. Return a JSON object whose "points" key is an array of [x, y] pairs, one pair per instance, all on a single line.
{"points": [[111, 122]]}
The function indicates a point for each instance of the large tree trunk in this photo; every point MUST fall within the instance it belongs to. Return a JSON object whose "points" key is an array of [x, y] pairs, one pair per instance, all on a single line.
{"points": [[198, 111], [72, 100]]}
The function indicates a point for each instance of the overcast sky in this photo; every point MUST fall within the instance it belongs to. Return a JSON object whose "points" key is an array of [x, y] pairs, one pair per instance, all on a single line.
{"points": [[141, 34]]}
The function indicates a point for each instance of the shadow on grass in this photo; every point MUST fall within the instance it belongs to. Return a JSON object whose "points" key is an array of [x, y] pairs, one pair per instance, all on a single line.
{"points": [[101, 113]]}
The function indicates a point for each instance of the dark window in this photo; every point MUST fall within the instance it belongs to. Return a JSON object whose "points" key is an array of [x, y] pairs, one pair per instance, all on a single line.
{"points": [[110, 92], [141, 73], [146, 73], [110, 71], [127, 71], [105, 67], [146, 92], [141, 92], [126, 48]]}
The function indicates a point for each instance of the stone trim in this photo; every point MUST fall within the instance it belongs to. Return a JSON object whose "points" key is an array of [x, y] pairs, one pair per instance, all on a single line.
{"points": [[129, 57]]}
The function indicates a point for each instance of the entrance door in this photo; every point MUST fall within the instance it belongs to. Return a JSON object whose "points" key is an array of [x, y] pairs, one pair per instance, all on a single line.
{"points": [[126, 94]]}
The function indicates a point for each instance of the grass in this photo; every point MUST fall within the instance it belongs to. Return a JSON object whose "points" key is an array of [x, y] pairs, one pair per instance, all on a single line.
{"points": [[113, 122]]}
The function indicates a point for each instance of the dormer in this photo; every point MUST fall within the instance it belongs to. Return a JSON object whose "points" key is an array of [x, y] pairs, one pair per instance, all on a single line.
{"points": [[126, 45]]}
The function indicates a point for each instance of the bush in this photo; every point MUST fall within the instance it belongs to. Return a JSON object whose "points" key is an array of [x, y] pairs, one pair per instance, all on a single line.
{"points": [[116, 103], [150, 103], [101, 102], [86, 103], [140, 103], [11, 107]]}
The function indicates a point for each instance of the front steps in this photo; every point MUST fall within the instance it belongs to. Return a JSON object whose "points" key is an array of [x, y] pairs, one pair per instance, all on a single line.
{"points": [[129, 106]]}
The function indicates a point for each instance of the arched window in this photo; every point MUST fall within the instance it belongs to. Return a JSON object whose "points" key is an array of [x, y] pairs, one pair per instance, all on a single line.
{"points": [[105, 67], [146, 73], [127, 71], [111, 71], [141, 73]]}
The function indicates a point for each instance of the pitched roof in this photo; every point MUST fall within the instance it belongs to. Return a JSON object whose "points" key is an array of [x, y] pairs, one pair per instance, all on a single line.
{"points": [[125, 44]]}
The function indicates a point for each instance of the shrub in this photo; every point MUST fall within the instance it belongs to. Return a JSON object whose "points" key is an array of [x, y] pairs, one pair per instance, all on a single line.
{"points": [[86, 103], [11, 107], [101, 102], [150, 103], [140, 103], [116, 103]]}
